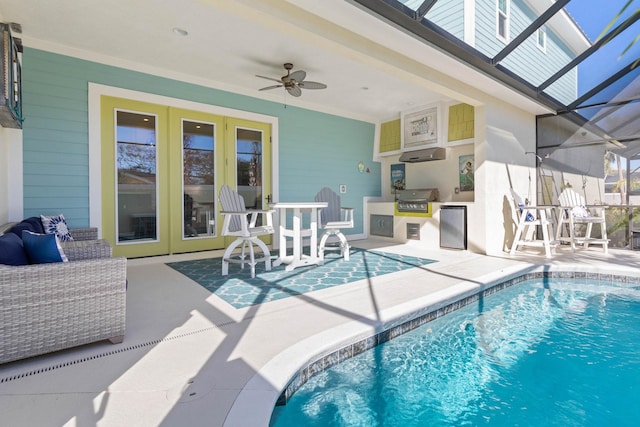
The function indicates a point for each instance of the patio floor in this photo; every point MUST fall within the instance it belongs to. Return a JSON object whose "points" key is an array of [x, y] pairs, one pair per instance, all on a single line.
{"points": [[191, 359]]}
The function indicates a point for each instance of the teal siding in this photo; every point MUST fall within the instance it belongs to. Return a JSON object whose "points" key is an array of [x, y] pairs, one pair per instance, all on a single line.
{"points": [[565, 89], [487, 41], [307, 159], [316, 149], [527, 60], [449, 15]]}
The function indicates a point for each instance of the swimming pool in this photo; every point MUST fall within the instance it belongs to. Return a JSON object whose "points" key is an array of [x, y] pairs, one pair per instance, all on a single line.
{"points": [[542, 352]]}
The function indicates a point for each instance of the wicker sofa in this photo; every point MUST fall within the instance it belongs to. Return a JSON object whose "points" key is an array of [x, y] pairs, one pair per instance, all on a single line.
{"points": [[55, 306]]}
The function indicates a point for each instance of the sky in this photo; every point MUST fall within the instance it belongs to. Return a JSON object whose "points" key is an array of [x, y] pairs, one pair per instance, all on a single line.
{"points": [[593, 16]]}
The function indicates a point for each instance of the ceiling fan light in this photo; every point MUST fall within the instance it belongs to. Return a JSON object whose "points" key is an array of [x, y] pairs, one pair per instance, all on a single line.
{"points": [[293, 82]]}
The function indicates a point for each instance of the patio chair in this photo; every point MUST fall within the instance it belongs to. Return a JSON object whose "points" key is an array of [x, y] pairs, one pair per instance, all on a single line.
{"points": [[529, 219], [242, 223], [574, 213], [333, 218]]}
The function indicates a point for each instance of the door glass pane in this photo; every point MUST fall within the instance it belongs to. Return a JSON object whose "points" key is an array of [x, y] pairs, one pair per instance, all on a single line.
{"points": [[198, 144], [136, 162], [249, 166]]}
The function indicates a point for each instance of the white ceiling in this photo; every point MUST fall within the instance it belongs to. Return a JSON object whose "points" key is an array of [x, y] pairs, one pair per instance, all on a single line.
{"points": [[373, 71]]}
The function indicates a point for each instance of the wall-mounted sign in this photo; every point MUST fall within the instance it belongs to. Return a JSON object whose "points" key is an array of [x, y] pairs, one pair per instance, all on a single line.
{"points": [[421, 127], [398, 177], [466, 168]]}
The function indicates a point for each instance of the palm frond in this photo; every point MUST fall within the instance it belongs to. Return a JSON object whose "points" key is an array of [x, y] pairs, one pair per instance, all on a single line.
{"points": [[613, 21]]}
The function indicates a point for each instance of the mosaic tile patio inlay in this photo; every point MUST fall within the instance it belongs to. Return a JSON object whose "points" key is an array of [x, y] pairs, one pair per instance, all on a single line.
{"points": [[240, 290]]}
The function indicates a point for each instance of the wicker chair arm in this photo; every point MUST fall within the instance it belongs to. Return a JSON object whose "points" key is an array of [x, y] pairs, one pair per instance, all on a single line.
{"points": [[89, 233], [86, 249], [69, 304]]}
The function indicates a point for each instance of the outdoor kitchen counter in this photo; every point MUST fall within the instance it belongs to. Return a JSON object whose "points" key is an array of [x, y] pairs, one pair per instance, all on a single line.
{"points": [[385, 224], [404, 226]]}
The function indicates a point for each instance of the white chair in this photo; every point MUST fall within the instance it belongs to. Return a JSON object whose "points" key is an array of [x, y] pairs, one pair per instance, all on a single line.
{"points": [[333, 218], [574, 212], [241, 222], [529, 218]]}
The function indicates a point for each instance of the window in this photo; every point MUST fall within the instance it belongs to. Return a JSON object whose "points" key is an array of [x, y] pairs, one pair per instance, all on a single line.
{"points": [[541, 38], [137, 164], [503, 19]]}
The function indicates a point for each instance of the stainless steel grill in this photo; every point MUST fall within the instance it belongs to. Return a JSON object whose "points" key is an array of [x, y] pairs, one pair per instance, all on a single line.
{"points": [[416, 200]]}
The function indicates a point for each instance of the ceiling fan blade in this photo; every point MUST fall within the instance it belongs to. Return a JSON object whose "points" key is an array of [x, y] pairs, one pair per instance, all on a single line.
{"points": [[298, 75], [270, 78], [294, 90], [270, 87], [312, 85]]}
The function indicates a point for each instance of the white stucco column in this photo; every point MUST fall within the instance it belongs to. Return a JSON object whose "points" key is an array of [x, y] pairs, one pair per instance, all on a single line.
{"points": [[510, 133], [11, 176]]}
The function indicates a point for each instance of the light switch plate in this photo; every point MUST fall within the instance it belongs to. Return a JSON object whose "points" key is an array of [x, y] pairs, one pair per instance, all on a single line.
{"points": [[343, 188]]}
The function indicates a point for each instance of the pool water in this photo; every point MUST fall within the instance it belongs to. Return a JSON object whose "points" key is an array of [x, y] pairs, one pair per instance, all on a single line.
{"points": [[545, 352]]}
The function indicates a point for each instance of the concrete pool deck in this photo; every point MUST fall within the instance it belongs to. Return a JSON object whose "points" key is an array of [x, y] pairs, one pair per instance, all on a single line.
{"points": [[189, 358]]}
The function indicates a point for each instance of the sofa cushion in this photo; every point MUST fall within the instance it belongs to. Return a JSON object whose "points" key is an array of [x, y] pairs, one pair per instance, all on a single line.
{"points": [[42, 248], [32, 224], [57, 225], [12, 250]]}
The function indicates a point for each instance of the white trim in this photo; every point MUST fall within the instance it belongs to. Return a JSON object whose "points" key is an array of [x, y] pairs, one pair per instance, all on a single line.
{"points": [[562, 26], [507, 21], [542, 46], [97, 90], [469, 17], [14, 173], [376, 141]]}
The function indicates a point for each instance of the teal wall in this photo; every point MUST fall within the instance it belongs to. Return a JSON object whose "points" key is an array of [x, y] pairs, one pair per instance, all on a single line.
{"points": [[449, 15], [316, 149]]}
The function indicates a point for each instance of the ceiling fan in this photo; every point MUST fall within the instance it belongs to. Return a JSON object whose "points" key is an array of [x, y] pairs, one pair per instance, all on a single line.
{"points": [[293, 82]]}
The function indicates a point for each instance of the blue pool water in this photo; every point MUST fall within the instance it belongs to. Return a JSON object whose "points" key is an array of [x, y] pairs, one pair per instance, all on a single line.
{"points": [[545, 352]]}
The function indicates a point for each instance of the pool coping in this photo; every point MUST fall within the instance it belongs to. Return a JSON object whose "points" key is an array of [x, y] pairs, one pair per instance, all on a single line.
{"points": [[286, 372]]}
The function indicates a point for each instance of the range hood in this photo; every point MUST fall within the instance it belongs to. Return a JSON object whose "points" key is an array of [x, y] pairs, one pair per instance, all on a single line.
{"points": [[425, 155]]}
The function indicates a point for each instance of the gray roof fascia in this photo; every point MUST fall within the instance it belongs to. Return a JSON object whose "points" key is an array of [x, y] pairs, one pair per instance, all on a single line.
{"points": [[424, 8]]}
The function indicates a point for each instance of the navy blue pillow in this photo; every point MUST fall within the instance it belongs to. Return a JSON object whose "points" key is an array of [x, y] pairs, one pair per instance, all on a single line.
{"points": [[11, 250], [42, 248], [32, 224], [37, 224]]}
